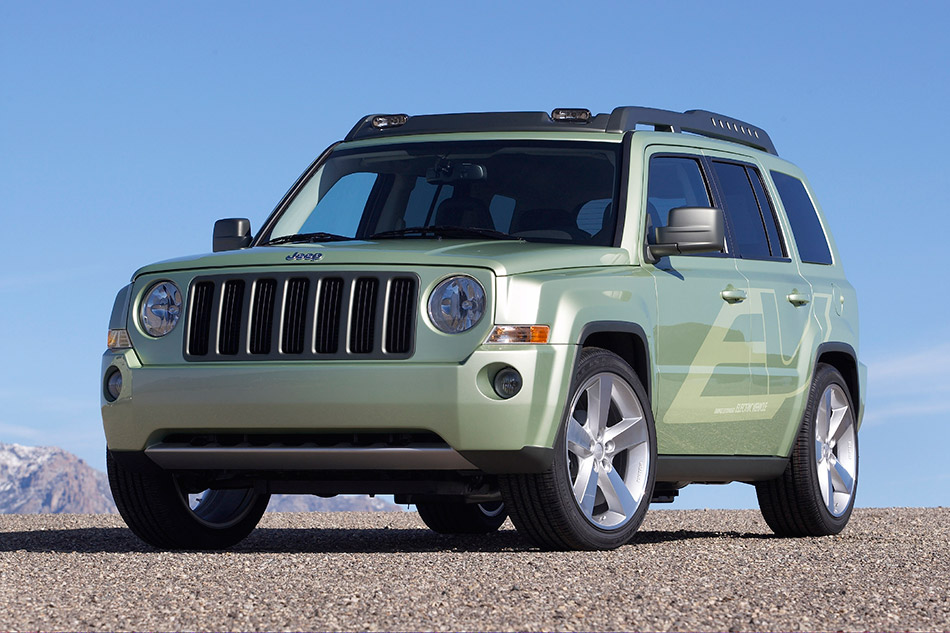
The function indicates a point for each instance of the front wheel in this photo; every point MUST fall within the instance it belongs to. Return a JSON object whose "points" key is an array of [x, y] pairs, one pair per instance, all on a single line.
{"points": [[163, 513], [815, 494], [598, 489]]}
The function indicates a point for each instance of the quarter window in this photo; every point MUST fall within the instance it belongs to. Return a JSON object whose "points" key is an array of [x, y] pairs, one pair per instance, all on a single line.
{"points": [[803, 217], [768, 214]]}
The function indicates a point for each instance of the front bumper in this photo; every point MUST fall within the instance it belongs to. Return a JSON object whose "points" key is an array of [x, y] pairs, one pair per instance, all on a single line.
{"points": [[453, 400]]}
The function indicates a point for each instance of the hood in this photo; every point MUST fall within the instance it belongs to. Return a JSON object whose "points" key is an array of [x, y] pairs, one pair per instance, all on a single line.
{"points": [[504, 257]]}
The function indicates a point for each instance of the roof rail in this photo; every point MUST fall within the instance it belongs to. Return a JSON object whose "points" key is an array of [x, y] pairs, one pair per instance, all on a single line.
{"points": [[369, 126], [622, 119], [699, 122]]}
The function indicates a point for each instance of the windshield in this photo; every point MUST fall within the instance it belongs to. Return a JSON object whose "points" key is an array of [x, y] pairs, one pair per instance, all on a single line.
{"points": [[536, 191]]}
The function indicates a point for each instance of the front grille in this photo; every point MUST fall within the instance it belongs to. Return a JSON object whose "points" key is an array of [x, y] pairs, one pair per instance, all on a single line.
{"points": [[301, 317]]}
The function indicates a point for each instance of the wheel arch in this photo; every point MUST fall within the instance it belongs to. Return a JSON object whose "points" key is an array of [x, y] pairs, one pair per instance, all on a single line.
{"points": [[626, 340], [842, 357]]}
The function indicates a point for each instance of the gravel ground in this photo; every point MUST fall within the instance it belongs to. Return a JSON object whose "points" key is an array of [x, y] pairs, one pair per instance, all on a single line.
{"points": [[687, 570]]}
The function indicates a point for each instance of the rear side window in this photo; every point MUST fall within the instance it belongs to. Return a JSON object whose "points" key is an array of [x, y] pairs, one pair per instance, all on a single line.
{"points": [[742, 210], [806, 227]]}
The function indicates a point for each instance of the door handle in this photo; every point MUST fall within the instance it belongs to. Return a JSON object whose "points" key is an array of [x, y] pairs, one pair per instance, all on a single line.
{"points": [[733, 295], [798, 298]]}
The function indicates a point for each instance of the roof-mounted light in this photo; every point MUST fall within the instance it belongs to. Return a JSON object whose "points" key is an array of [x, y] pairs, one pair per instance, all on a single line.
{"points": [[382, 121], [571, 115]]}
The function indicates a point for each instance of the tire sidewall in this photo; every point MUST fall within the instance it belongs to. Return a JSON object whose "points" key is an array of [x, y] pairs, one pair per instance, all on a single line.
{"points": [[589, 536], [826, 376], [152, 506]]}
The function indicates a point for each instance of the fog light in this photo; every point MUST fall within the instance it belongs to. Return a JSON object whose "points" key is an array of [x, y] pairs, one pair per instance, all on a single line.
{"points": [[113, 385], [507, 382]]}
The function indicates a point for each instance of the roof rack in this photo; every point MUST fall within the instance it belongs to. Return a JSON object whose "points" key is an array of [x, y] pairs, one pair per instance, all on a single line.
{"points": [[622, 119], [699, 122]]}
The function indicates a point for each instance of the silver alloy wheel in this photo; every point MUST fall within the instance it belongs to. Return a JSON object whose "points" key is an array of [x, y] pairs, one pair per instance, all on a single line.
{"points": [[219, 509], [835, 452], [608, 450], [492, 509]]}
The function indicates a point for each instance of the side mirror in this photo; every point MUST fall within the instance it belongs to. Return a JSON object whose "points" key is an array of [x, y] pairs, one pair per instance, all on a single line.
{"points": [[689, 230], [231, 234]]}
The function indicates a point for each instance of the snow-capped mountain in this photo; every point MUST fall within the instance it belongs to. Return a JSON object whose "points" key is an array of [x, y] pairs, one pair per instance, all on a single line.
{"points": [[341, 503], [49, 480]]}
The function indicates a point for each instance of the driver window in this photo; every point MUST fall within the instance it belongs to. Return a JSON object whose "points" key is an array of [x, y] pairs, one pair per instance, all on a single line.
{"points": [[674, 181]]}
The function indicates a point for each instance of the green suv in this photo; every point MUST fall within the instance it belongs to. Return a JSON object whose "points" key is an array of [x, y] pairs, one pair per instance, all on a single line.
{"points": [[558, 318]]}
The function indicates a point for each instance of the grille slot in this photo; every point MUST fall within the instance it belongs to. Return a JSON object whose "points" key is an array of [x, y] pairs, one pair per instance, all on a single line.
{"points": [[295, 315], [199, 330], [327, 337], [262, 316], [401, 317], [363, 316], [232, 306], [308, 316]]}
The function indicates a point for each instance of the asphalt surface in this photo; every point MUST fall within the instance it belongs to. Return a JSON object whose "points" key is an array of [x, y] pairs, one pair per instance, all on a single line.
{"points": [[687, 570]]}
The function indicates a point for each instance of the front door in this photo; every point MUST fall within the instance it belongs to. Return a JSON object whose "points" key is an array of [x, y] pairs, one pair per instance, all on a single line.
{"points": [[702, 344]]}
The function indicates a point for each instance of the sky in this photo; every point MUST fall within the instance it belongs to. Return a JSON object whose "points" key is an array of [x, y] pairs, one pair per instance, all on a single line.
{"points": [[127, 129]]}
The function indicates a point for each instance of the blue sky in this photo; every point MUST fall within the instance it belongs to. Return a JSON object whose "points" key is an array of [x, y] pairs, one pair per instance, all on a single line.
{"points": [[126, 130]]}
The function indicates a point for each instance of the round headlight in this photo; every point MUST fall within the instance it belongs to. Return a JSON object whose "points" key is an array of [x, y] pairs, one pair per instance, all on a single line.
{"points": [[161, 309], [457, 304]]}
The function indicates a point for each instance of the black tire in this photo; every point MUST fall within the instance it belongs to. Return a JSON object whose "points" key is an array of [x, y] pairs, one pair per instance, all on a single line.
{"points": [[544, 507], [797, 504], [458, 517], [157, 510]]}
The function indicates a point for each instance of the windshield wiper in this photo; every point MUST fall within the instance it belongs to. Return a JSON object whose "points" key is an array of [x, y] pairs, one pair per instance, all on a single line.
{"points": [[444, 231], [300, 238]]}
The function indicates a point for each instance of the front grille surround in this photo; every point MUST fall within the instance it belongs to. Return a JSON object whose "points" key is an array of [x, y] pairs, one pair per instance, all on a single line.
{"points": [[301, 316]]}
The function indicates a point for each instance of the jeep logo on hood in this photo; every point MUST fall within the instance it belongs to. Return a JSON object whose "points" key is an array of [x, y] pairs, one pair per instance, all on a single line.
{"points": [[304, 257]]}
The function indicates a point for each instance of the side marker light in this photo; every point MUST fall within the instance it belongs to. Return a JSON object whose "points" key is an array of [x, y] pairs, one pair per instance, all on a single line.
{"points": [[504, 334]]}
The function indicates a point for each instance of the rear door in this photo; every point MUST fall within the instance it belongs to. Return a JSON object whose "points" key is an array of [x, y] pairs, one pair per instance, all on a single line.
{"points": [[780, 305]]}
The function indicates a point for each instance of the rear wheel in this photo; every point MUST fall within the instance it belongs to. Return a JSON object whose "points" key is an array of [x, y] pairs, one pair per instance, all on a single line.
{"points": [[815, 494], [161, 511], [458, 517], [599, 487]]}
